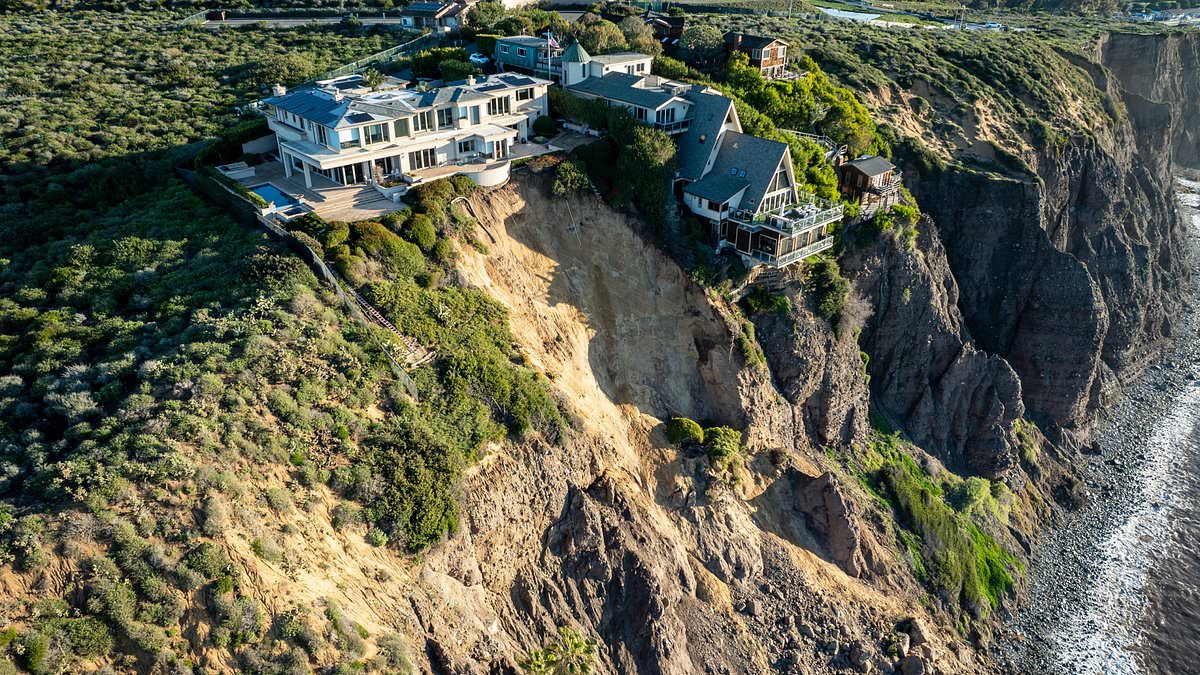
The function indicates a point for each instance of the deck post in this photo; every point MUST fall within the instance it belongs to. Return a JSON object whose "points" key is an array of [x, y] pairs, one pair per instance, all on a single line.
{"points": [[307, 176], [287, 164]]}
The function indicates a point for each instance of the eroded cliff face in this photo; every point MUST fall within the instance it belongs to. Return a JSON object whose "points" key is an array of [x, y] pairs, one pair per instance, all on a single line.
{"points": [[637, 543], [1069, 273]]}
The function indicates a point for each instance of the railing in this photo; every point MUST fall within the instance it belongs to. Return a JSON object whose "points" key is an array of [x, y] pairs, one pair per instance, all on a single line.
{"points": [[889, 188], [380, 57], [795, 256], [778, 220], [677, 127]]}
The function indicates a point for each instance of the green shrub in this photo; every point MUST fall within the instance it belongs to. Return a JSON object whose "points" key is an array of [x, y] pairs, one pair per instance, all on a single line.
{"points": [[545, 126], [421, 232], [724, 446], [376, 537], [569, 177], [683, 431], [828, 288], [760, 300], [209, 560]]}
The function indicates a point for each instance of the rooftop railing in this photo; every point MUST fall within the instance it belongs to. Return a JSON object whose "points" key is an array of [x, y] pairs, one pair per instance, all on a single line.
{"points": [[676, 127], [793, 218]]}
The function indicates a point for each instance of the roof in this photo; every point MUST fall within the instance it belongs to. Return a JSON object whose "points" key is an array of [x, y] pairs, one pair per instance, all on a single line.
{"points": [[751, 41], [576, 54], [752, 158], [872, 166], [623, 87], [524, 40], [718, 188], [621, 57], [707, 115], [316, 106], [424, 9]]}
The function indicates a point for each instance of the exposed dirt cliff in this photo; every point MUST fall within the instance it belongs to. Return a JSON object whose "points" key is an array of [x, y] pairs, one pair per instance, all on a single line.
{"points": [[675, 570]]}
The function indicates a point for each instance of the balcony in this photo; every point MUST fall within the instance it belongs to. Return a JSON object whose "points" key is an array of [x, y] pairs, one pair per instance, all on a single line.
{"points": [[676, 127], [889, 187], [795, 256], [793, 218]]}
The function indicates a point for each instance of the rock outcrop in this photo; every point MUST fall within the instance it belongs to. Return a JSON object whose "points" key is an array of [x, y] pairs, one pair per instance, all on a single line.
{"points": [[830, 514], [927, 375]]}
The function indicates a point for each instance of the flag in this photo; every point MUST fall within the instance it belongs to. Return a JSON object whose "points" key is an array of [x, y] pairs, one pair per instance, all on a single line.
{"points": [[552, 42]]}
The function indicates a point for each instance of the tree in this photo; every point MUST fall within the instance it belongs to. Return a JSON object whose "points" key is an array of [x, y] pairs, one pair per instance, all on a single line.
{"points": [[701, 43], [602, 37], [485, 14], [665, 66], [828, 287], [454, 70], [373, 78], [640, 36]]}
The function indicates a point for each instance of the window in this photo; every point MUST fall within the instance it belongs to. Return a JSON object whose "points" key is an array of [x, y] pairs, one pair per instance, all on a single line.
{"points": [[445, 118], [733, 171], [423, 121], [639, 114], [322, 134], [525, 94], [782, 52], [376, 133], [474, 114], [500, 106], [401, 128], [757, 53], [503, 49], [665, 116], [641, 67], [522, 52], [466, 147], [766, 53], [422, 159]]}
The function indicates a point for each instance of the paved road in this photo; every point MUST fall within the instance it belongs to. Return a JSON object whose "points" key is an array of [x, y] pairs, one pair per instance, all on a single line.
{"points": [[294, 22]]}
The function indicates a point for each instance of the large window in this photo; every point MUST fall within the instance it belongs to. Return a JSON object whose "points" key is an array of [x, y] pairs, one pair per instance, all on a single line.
{"points": [[445, 118], [466, 147], [376, 133], [401, 128], [525, 94], [665, 116], [500, 106], [423, 121], [422, 159]]}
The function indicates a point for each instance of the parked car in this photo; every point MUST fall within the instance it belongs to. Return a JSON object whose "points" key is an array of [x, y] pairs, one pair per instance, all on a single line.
{"points": [[478, 59]]}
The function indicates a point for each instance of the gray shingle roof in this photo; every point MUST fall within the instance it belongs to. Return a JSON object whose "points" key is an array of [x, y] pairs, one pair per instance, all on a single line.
{"points": [[872, 166], [756, 158], [707, 115], [717, 188], [317, 106], [523, 40], [620, 87]]}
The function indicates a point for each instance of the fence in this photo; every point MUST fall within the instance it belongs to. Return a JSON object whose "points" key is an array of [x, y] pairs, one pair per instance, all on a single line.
{"points": [[245, 213], [384, 56]]}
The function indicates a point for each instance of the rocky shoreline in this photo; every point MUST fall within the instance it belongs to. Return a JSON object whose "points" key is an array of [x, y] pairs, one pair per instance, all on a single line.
{"points": [[1121, 478]]}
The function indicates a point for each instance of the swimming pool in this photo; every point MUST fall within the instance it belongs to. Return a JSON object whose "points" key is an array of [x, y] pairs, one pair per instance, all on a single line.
{"points": [[273, 194]]}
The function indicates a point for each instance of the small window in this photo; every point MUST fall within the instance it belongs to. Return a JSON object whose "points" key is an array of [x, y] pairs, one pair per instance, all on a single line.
{"points": [[742, 173], [525, 94], [521, 51], [503, 49], [733, 171]]}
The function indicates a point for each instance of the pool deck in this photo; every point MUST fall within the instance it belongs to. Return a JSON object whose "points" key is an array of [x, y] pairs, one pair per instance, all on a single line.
{"points": [[348, 203]]}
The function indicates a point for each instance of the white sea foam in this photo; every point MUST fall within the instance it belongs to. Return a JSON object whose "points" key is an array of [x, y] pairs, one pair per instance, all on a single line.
{"points": [[1101, 636]]}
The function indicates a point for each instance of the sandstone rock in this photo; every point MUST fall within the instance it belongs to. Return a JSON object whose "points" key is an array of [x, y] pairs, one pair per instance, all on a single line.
{"points": [[917, 632], [829, 513], [902, 642], [912, 665]]}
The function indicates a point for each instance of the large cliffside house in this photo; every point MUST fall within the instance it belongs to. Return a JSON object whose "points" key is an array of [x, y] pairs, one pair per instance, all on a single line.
{"points": [[768, 54], [405, 135], [870, 181], [742, 185], [649, 99]]}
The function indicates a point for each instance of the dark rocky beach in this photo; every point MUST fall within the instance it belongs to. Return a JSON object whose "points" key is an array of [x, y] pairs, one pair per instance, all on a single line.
{"points": [[1114, 587]]}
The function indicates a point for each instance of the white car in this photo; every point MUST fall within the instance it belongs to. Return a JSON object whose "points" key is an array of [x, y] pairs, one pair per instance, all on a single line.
{"points": [[478, 59]]}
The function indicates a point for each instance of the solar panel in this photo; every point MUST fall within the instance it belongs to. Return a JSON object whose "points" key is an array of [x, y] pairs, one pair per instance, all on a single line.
{"points": [[358, 118], [491, 87]]}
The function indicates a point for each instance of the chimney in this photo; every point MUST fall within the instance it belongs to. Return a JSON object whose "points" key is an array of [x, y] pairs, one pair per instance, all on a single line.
{"points": [[337, 94], [737, 41], [471, 80], [279, 90]]}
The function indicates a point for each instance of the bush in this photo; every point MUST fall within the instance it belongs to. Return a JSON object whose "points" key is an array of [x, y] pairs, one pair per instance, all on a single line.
{"points": [[376, 537], [544, 126], [760, 300], [682, 432], [421, 232], [828, 288], [569, 177], [724, 446]]}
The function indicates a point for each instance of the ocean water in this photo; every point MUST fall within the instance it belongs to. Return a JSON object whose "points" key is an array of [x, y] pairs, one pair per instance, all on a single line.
{"points": [[1115, 590]]}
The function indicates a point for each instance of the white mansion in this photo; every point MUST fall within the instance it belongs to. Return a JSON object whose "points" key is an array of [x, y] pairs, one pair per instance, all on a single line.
{"points": [[353, 135]]}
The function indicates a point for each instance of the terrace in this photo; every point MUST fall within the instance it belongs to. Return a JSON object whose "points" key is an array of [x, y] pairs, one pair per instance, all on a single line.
{"points": [[792, 219]]}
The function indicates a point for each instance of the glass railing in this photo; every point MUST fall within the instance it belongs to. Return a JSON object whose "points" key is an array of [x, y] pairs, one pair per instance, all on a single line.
{"points": [[795, 256], [676, 127], [807, 214]]}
